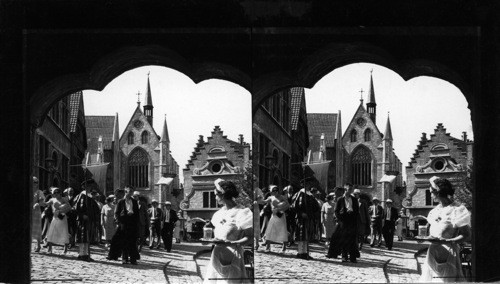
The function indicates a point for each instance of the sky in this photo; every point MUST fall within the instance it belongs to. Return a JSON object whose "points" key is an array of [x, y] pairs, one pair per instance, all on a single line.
{"points": [[414, 106], [191, 109]]}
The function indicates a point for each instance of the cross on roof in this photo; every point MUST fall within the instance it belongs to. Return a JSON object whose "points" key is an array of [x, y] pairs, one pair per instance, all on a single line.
{"points": [[138, 97], [361, 95]]}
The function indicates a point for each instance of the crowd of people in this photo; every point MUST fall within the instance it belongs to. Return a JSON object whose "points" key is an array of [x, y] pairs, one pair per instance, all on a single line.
{"points": [[123, 224], [346, 220]]}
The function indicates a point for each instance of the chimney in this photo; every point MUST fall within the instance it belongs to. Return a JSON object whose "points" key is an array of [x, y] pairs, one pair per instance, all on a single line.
{"points": [[464, 136], [241, 139]]}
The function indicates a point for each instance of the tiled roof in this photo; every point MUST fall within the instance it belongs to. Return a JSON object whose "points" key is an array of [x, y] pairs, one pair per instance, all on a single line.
{"points": [[74, 106], [318, 123], [99, 125], [297, 95]]}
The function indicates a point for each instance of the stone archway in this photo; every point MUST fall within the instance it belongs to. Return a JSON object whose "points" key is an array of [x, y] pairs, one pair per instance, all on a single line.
{"points": [[114, 64], [324, 61]]}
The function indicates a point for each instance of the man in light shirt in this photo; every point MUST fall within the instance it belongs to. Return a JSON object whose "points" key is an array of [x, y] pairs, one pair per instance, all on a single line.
{"points": [[127, 215]]}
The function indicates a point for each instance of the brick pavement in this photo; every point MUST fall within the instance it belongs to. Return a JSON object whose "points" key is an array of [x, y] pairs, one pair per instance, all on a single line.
{"points": [[376, 265]]}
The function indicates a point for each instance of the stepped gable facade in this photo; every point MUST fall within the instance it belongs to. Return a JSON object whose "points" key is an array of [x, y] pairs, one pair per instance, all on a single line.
{"points": [[440, 155], [217, 157]]}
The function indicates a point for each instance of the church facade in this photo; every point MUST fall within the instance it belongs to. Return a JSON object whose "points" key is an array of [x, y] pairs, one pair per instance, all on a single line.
{"points": [[139, 157], [145, 156], [363, 155]]}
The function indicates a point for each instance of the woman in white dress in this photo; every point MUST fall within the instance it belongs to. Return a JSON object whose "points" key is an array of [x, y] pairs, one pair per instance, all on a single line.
{"points": [[36, 219], [449, 226], [232, 229], [108, 219], [58, 233], [276, 231]]}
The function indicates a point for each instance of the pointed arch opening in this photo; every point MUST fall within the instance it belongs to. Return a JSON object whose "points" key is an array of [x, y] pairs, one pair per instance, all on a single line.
{"points": [[368, 135], [130, 138], [354, 135], [361, 166], [138, 168], [145, 137]]}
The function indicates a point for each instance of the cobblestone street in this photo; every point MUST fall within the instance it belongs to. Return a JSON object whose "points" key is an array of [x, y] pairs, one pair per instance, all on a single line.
{"points": [[376, 265], [186, 263], [155, 266]]}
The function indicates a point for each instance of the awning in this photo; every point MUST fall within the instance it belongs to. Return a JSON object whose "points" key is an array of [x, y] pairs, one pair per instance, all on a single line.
{"points": [[387, 178], [164, 180]]}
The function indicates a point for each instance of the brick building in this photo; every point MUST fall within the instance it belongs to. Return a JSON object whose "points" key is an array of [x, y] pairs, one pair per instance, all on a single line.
{"points": [[218, 157], [280, 138], [441, 155], [365, 157], [60, 142]]}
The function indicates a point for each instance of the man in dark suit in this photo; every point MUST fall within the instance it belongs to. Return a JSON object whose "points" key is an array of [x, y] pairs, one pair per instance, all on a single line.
{"points": [[127, 216], [169, 219], [155, 216], [375, 211], [389, 218]]}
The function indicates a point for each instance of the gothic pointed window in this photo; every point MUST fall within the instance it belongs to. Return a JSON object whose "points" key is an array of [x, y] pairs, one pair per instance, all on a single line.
{"points": [[361, 166], [138, 168], [145, 137], [130, 138], [368, 135], [354, 135]]}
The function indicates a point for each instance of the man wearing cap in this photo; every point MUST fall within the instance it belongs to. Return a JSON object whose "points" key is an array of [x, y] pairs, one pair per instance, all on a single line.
{"points": [[389, 218], [169, 219], [127, 216], [375, 211], [155, 215]]}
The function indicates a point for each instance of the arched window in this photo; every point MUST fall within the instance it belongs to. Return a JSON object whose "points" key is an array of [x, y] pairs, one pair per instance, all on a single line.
{"points": [[130, 138], [361, 166], [138, 168], [145, 137], [354, 135], [368, 135]]}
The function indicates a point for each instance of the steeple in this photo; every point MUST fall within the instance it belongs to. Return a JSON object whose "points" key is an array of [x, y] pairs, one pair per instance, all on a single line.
{"points": [[164, 134], [339, 157], [148, 104], [388, 131], [116, 153], [371, 105]]}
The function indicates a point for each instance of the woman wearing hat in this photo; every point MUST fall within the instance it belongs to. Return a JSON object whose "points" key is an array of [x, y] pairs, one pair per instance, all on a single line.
{"points": [[58, 233], [328, 217], [108, 219], [233, 225], [276, 231], [449, 226]]}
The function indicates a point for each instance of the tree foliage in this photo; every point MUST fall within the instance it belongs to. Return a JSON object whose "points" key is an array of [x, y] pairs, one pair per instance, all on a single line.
{"points": [[463, 192]]}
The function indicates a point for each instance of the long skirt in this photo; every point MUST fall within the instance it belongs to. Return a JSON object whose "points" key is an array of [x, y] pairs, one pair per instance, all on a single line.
{"points": [[58, 231], [276, 229], [109, 229], [442, 264], [36, 224], [329, 227], [226, 266]]}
